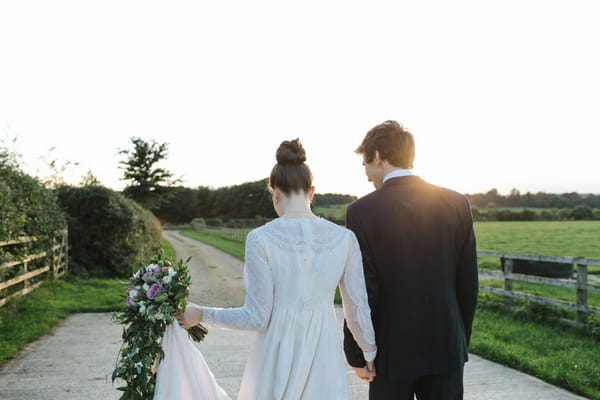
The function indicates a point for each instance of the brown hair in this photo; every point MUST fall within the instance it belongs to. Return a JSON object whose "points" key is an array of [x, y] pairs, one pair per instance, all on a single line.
{"points": [[393, 142], [291, 174]]}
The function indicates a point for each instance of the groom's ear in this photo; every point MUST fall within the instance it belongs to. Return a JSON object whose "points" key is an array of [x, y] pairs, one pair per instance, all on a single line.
{"points": [[377, 158]]}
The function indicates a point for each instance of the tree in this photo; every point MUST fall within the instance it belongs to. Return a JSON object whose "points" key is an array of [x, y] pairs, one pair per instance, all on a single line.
{"points": [[147, 183]]}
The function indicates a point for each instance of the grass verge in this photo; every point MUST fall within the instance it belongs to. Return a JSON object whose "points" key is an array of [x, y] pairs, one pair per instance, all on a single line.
{"points": [[30, 317], [563, 357]]}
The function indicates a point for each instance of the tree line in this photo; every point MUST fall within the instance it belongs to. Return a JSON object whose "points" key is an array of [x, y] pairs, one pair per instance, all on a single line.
{"points": [[533, 200]]}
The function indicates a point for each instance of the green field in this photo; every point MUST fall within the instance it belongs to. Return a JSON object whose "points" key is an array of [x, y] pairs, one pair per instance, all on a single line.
{"points": [[553, 238]]}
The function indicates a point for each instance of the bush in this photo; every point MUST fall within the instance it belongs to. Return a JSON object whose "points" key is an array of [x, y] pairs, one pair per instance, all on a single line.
{"points": [[109, 235], [581, 212], [27, 208]]}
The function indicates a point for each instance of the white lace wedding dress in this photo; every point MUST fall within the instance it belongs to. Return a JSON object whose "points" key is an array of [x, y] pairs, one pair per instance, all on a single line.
{"points": [[291, 271]]}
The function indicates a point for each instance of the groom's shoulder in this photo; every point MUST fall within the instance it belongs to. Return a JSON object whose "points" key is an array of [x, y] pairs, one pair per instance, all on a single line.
{"points": [[364, 202]]}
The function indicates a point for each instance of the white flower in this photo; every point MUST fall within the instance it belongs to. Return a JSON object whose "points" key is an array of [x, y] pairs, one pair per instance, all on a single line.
{"points": [[167, 279], [159, 316], [142, 308], [171, 272], [145, 287], [133, 293]]}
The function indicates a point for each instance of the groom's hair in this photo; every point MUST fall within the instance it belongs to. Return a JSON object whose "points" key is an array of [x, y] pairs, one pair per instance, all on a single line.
{"points": [[393, 142]]}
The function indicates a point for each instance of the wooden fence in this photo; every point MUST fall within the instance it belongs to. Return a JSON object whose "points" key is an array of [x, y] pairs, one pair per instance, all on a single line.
{"points": [[53, 263], [580, 284]]}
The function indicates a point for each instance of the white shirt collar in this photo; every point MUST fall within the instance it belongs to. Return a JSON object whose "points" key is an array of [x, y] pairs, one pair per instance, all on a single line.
{"points": [[398, 172]]}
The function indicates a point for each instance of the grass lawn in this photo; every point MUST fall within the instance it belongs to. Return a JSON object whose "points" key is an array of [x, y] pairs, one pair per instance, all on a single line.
{"points": [[566, 358]]}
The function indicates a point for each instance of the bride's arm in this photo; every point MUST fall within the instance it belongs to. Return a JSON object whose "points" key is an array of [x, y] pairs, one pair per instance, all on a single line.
{"points": [[355, 302], [256, 311]]}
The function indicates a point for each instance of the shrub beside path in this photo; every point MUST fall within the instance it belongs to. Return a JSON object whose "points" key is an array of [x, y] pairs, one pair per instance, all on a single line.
{"points": [[76, 360]]}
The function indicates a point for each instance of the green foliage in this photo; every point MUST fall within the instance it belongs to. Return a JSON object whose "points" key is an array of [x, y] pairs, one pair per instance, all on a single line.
{"points": [[534, 200], [109, 235], [147, 184], [332, 199], [27, 208], [581, 212], [180, 205], [27, 318]]}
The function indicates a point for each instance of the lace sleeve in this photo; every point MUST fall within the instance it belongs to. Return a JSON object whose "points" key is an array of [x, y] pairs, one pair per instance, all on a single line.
{"points": [[356, 306], [256, 311]]}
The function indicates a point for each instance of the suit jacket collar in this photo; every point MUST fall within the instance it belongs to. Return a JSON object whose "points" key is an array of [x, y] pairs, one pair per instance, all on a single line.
{"points": [[402, 180]]}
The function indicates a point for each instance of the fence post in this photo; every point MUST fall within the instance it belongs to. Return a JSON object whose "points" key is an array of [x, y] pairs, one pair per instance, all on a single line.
{"points": [[66, 240], [26, 283], [582, 293], [508, 269]]}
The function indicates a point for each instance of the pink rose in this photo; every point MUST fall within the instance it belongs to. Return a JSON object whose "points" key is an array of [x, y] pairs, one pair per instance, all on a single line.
{"points": [[154, 291]]}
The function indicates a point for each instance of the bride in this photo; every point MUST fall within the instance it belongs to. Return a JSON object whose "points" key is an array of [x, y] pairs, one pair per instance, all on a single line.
{"points": [[292, 267]]}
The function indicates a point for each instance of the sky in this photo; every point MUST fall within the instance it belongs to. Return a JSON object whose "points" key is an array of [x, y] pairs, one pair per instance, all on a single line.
{"points": [[498, 94]]}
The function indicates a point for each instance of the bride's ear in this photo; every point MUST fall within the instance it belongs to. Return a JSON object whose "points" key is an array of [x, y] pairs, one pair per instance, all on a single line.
{"points": [[311, 193]]}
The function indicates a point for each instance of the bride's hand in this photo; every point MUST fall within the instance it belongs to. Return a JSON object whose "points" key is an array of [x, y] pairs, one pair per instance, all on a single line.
{"points": [[366, 373], [191, 317]]}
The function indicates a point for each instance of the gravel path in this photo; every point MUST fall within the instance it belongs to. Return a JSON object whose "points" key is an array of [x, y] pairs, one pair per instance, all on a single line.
{"points": [[76, 360]]}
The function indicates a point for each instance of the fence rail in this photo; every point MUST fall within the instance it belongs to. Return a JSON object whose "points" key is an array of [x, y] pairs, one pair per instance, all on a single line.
{"points": [[580, 284], [55, 264]]}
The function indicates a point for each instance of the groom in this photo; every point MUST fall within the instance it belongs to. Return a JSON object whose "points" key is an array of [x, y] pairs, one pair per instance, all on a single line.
{"points": [[420, 266]]}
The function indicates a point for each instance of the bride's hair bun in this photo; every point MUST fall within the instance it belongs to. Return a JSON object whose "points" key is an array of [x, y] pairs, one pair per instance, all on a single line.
{"points": [[291, 152]]}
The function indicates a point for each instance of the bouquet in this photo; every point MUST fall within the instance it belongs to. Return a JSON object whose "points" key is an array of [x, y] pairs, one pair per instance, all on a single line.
{"points": [[154, 294]]}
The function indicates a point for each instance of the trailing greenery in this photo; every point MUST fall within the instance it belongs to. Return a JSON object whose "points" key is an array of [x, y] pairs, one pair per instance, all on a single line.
{"points": [[108, 234], [30, 317], [155, 293]]}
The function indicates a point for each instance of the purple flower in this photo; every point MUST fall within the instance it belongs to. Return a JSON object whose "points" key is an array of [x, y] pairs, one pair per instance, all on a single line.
{"points": [[147, 276], [129, 302], [156, 269], [154, 291]]}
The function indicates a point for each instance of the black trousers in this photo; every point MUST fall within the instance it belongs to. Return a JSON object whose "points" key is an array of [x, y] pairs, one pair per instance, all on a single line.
{"points": [[432, 387]]}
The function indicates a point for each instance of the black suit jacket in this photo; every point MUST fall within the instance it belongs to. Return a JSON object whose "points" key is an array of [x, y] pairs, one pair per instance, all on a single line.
{"points": [[420, 264]]}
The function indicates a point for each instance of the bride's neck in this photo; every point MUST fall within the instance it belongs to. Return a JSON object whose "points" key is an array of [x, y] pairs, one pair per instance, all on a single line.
{"points": [[296, 205]]}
